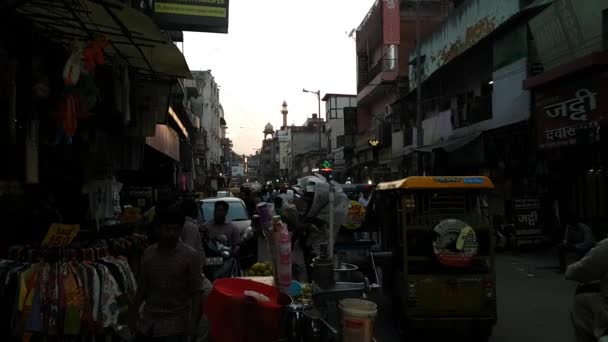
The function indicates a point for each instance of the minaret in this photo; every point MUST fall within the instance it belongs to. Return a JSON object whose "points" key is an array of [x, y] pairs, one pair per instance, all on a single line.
{"points": [[284, 112]]}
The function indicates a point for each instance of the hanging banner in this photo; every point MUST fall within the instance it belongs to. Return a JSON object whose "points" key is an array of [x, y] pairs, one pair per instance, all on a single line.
{"points": [[192, 15], [391, 22]]}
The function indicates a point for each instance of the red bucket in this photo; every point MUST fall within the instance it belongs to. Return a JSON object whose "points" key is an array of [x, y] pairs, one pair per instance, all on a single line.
{"points": [[235, 317]]}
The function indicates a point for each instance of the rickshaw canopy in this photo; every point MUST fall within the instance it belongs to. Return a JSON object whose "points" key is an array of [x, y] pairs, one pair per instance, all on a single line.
{"points": [[438, 182]]}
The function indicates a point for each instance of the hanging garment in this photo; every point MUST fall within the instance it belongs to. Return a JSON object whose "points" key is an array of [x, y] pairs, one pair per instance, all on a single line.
{"points": [[104, 198]]}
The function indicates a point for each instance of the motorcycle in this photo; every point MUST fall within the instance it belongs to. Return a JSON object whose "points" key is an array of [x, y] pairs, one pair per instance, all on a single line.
{"points": [[221, 261]]}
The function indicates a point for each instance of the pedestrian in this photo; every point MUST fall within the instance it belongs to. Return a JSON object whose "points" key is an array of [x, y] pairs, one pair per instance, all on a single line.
{"points": [[191, 234], [170, 284], [578, 239], [221, 225], [364, 199], [590, 310]]}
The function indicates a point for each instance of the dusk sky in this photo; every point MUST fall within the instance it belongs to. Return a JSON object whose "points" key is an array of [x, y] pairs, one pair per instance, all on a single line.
{"points": [[273, 49]]}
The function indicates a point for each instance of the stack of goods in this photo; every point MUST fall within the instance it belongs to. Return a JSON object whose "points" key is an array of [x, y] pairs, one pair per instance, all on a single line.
{"points": [[260, 269], [281, 253]]}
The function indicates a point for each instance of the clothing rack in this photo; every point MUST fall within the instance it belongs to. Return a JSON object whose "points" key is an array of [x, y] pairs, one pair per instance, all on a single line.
{"points": [[81, 292]]}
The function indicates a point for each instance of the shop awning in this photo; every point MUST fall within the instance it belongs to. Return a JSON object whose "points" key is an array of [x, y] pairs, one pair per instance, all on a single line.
{"points": [[133, 35], [451, 144]]}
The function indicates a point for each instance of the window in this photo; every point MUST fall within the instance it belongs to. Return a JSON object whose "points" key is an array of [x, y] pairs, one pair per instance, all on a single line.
{"points": [[340, 141]]}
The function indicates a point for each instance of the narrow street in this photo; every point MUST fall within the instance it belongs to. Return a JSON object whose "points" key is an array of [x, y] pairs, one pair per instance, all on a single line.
{"points": [[533, 301]]}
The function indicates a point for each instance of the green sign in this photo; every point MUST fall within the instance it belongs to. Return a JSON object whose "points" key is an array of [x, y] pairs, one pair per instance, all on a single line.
{"points": [[192, 15], [326, 165]]}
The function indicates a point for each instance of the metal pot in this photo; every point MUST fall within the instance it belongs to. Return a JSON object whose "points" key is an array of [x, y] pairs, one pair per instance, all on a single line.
{"points": [[345, 272], [294, 314], [315, 328]]}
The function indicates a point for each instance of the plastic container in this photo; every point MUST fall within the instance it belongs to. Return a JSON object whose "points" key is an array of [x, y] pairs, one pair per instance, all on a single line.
{"points": [[358, 318], [237, 317]]}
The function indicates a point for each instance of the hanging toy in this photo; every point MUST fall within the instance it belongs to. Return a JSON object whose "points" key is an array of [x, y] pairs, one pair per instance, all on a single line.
{"points": [[93, 55], [71, 70]]}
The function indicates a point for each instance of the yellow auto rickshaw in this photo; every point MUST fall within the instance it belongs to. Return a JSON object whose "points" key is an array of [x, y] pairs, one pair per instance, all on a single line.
{"points": [[438, 245]]}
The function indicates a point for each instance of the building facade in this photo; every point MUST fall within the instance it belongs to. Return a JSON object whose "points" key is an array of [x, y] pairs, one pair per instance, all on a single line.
{"points": [[211, 144], [335, 106], [384, 41]]}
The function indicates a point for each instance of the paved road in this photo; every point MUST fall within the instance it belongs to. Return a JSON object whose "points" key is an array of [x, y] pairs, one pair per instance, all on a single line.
{"points": [[533, 302]]}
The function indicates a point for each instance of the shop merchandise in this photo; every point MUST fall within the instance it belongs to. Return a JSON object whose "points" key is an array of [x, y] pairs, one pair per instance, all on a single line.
{"points": [[104, 198], [64, 297]]}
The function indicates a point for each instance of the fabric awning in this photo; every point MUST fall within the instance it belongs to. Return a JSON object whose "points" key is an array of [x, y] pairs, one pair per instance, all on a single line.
{"points": [[451, 144], [133, 35]]}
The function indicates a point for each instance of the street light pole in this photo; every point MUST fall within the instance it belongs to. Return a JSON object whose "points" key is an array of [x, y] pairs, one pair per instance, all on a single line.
{"points": [[318, 93], [419, 137]]}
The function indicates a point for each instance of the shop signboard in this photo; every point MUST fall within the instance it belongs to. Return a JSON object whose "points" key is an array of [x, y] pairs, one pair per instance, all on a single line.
{"points": [[565, 108], [526, 212], [192, 15], [60, 235], [391, 22]]}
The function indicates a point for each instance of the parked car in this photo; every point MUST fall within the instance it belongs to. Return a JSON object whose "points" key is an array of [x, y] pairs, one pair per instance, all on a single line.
{"points": [[237, 213], [223, 193]]}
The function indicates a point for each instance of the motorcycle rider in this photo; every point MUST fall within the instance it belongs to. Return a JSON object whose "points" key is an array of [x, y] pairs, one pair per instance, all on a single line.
{"points": [[221, 225], [590, 310]]}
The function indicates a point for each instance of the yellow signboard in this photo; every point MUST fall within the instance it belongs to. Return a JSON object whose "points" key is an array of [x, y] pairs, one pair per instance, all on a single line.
{"points": [[192, 15], [60, 235]]}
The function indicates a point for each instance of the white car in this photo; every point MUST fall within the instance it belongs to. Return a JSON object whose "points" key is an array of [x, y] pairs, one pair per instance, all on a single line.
{"points": [[221, 194]]}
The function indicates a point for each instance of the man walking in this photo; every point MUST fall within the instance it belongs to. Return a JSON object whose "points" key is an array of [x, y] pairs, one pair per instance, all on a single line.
{"points": [[170, 284]]}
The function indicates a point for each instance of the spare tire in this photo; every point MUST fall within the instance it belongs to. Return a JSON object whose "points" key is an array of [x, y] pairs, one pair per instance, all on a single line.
{"points": [[455, 243]]}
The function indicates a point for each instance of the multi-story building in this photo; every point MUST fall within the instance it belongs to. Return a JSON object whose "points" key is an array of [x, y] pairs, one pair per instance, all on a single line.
{"points": [[269, 170], [477, 72], [204, 102], [335, 105], [384, 41], [305, 154]]}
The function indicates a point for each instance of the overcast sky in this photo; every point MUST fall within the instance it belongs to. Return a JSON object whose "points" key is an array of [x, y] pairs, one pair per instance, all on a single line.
{"points": [[273, 49]]}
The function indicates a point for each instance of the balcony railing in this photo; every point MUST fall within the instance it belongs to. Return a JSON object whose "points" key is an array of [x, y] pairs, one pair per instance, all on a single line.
{"points": [[383, 65]]}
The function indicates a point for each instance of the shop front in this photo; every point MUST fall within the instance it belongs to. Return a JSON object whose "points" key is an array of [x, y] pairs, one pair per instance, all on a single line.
{"points": [[571, 113], [69, 80]]}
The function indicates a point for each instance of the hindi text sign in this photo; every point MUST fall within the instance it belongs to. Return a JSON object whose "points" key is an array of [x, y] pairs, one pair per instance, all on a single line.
{"points": [[565, 108]]}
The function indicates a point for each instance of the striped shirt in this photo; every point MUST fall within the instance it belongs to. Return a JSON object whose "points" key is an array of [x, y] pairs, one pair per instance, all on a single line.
{"points": [[169, 280]]}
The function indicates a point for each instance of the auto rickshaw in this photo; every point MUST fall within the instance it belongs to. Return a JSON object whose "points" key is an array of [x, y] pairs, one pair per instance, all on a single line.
{"points": [[438, 248]]}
